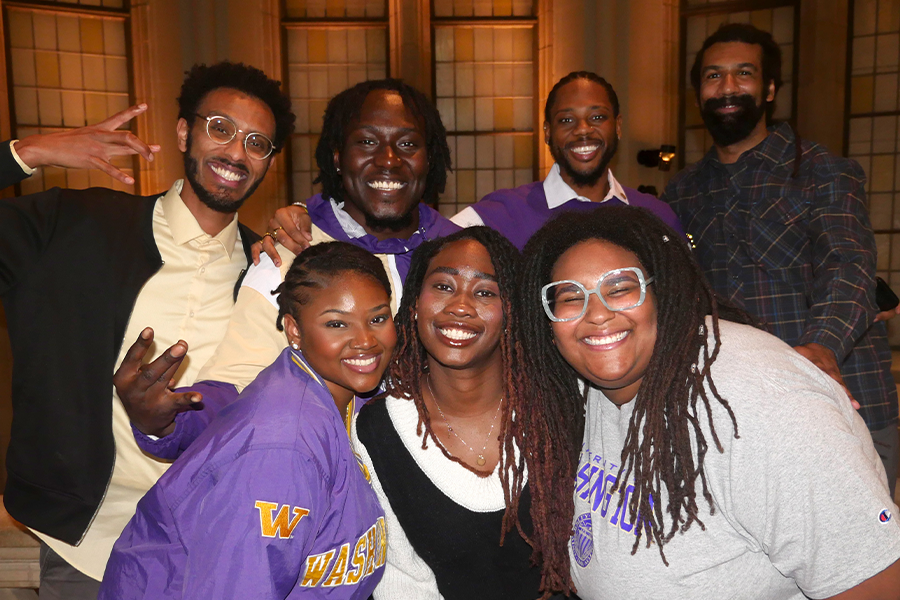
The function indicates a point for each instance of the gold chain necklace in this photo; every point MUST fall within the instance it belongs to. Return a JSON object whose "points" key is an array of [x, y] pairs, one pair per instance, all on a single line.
{"points": [[480, 456]]}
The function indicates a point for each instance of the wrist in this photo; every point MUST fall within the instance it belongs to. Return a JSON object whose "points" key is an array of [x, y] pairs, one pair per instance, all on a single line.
{"points": [[27, 152]]}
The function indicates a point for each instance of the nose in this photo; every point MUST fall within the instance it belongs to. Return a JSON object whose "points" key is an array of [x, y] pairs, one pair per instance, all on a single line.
{"points": [[364, 339], [387, 157], [582, 127], [729, 84], [597, 313], [461, 305], [235, 151]]}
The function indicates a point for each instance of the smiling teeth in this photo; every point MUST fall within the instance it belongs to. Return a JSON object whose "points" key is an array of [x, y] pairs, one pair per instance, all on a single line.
{"points": [[360, 362], [386, 186], [226, 174], [585, 149], [458, 334], [607, 339]]}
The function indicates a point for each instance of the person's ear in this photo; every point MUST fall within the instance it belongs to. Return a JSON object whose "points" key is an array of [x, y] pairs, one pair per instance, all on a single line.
{"points": [[546, 133], [292, 331], [182, 129]]}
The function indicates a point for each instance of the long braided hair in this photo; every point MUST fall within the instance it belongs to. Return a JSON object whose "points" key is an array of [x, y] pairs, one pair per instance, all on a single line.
{"points": [[657, 451], [411, 359]]}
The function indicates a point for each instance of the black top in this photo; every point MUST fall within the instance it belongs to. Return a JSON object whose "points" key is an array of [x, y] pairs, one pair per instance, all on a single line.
{"points": [[72, 263], [460, 546]]}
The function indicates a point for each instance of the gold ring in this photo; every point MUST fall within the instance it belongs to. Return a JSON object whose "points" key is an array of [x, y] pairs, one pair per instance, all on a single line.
{"points": [[268, 233], [275, 231]]}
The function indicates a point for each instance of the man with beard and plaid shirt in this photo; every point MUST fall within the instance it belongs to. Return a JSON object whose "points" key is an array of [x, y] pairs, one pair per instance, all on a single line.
{"points": [[781, 228]]}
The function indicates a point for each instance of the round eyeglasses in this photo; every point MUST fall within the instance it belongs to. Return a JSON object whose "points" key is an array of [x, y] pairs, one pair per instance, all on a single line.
{"points": [[619, 289], [222, 130]]}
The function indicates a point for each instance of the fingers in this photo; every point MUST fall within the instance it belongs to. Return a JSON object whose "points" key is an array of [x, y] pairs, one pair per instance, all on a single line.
{"points": [[297, 222], [268, 246], [255, 250], [135, 355], [161, 370], [182, 401], [109, 169], [120, 118]]}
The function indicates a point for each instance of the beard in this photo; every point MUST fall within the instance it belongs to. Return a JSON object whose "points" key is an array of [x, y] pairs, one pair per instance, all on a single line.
{"points": [[391, 223], [217, 201], [732, 128], [590, 178]]}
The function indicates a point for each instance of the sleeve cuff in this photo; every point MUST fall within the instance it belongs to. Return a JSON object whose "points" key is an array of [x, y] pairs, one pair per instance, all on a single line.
{"points": [[12, 148]]}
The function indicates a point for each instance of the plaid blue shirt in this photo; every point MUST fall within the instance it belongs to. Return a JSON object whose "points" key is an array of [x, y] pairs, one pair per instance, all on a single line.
{"points": [[796, 252]]}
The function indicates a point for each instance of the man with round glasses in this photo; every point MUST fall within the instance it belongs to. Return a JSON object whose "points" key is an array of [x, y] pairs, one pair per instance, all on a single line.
{"points": [[81, 271]]}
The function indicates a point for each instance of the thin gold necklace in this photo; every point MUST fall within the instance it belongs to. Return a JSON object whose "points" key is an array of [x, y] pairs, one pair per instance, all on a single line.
{"points": [[480, 460]]}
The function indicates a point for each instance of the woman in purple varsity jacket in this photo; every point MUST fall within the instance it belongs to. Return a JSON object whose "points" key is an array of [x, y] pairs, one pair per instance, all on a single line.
{"points": [[270, 501], [439, 446]]}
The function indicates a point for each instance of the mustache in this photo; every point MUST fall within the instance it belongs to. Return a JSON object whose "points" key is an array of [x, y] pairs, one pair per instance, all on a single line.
{"points": [[586, 140], [233, 165], [744, 101]]}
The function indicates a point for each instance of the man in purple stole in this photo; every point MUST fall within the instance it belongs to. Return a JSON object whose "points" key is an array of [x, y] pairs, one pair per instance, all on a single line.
{"points": [[582, 126]]}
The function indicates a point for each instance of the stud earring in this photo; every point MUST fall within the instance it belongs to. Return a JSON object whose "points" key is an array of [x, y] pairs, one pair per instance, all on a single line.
{"points": [[295, 345], [338, 169]]}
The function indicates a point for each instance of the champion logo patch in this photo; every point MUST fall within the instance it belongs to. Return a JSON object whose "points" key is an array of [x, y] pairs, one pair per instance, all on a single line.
{"points": [[885, 516]]}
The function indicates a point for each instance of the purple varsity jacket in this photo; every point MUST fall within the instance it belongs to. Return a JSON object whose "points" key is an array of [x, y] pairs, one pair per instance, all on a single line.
{"points": [[269, 502]]}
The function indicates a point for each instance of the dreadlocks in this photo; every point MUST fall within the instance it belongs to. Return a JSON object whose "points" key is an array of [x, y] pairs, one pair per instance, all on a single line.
{"points": [[344, 108], [657, 451], [410, 358], [315, 266]]}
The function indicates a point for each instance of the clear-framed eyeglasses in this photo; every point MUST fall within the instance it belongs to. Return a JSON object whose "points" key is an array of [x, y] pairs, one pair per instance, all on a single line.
{"points": [[619, 289], [222, 130]]}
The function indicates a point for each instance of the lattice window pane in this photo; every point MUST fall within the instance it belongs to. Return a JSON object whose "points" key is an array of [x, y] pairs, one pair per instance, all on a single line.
{"points": [[68, 70], [335, 9], [321, 63], [483, 8], [779, 21], [874, 126], [484, 89]]}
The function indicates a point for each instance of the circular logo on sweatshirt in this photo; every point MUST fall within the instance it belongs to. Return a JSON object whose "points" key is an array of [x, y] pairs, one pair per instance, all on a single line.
{"points": [[583, 540], [885, 516]]}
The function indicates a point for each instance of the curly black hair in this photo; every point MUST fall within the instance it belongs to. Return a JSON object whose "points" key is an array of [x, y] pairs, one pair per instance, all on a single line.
{"points": [[657, 451], [202, 79], [345, 107], [314, 267], [590, 76], [748, 34]]}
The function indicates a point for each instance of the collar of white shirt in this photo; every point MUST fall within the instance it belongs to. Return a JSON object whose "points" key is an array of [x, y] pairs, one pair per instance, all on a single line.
{"points": [[558, 191], [184, 225]]}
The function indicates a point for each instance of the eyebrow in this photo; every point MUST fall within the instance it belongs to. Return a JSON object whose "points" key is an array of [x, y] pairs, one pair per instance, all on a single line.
{"points": [[743, 65], [452, 271], [401, 129], [344, 312], [593, 107]]}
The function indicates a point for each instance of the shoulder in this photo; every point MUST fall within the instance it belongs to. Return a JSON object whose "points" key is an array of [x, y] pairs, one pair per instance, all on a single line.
{"points": [[265, 277], [512, 196], [683, 183], [826, 166], [760, 373]]}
